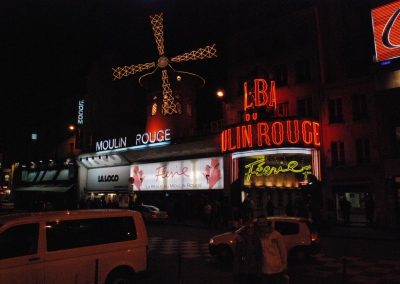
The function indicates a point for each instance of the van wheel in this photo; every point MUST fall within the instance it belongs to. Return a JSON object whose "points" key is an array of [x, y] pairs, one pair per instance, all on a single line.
{"points": [[120, 277]]}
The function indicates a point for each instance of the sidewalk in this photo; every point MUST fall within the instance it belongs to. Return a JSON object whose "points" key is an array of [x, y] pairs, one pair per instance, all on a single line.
{"points": [[361, 232]]}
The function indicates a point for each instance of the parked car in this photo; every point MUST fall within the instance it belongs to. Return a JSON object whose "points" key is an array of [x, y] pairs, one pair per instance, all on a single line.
{"points": [[151, 213], [77, 246], [299, 234]]}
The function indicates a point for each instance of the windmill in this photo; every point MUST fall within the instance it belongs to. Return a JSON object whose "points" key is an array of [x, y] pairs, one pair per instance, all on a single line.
{"points": [[170, 103]]}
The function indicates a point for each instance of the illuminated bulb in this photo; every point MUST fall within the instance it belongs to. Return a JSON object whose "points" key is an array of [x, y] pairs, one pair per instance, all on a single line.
{"points": [[178, 78]]}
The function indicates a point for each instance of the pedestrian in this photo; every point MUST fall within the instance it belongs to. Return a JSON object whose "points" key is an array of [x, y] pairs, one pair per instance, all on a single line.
{"points": [[248, 256], [289, 208], [274, 259], [270, 207], [369, 209], [207, 211], [248, 207], [346, 208]]}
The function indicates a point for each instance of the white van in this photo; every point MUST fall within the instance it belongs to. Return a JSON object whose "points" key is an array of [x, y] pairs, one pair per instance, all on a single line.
{"points": [[78, 246]]}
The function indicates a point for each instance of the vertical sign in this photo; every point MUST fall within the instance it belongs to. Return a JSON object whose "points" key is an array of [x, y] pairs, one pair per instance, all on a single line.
{"points": [[81, 108]]}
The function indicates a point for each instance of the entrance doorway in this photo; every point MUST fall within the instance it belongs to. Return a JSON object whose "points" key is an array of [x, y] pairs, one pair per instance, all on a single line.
{"points": [[360, 208]]}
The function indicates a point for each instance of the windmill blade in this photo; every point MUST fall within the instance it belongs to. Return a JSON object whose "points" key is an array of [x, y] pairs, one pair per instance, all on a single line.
{"points": [[202, 53], [169, 105], [158, 30], [124, 71]]}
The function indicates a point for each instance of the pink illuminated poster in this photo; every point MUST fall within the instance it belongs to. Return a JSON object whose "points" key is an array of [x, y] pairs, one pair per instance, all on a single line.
{"points": [[195, 174]]}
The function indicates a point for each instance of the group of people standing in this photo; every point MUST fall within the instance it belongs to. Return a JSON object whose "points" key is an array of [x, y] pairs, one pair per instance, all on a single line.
{"points": [[260, 255]]}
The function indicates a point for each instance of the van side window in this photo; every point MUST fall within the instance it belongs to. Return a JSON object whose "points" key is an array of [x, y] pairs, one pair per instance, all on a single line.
{"points": [[19, 241], [89, 232], [287, 228]]}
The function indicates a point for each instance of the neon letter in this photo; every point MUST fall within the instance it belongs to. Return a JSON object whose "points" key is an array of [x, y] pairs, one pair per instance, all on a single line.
{"points": [[307, 132], [317, 140], [295, 132], [277, 133], [262, 131], [247, 136], [246, 96], [260, 92]]}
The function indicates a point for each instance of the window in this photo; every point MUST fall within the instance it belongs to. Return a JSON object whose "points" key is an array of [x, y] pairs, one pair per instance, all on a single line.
{"points": [[359, 104], [280, 74], [362, 151], [283, 109], [19, 241], [287, 228], [301, 35], [89, 232], [337, 153], [303, 73], [335, 110], [304, 107]]}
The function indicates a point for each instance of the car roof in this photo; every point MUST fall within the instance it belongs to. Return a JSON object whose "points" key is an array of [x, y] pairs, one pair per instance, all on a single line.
{"points": [[288, 218], [65, 214]]}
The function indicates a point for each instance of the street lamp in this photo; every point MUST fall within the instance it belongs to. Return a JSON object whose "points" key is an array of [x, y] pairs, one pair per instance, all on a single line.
{"points": [[220, 93]]}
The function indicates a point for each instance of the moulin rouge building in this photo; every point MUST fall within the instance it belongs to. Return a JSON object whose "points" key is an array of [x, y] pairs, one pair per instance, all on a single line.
{"points": [[305, 101]]}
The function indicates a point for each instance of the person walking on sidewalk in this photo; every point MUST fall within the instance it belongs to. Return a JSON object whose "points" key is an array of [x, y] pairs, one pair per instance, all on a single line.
{"points": [[248, 256], [346, 208], [274, 264]]}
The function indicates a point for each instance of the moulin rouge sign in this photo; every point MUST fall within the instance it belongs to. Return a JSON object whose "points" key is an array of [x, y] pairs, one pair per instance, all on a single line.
{"points": [[261, 96]]}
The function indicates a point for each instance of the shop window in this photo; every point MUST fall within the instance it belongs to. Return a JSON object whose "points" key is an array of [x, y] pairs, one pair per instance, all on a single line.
{"points": [[282, 109], [304, 107], [280, 74], [303, 73], [359, 105], [335, 110], [337, 153], [301, 35], [362, 151]]}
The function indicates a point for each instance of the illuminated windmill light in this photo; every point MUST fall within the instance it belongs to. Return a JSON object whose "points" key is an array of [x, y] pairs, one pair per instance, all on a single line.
{"points": [[170, 103]]}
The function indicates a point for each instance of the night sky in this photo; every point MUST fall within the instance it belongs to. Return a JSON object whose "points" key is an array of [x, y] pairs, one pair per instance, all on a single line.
{"points": [[49, 48]]}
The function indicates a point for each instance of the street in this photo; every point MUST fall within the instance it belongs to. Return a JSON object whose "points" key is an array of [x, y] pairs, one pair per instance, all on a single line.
{"points": [[179, 254]]}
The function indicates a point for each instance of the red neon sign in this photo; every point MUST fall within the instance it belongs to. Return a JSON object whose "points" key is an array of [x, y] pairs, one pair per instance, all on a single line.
{"points": [[387, 31], [260, 94], [277, 133]]}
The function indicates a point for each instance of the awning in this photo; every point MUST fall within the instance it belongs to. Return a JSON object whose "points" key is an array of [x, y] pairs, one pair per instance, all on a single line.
{"points": [[44, 188]]}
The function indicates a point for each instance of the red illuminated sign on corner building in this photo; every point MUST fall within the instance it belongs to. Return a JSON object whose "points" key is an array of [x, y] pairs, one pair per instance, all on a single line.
{"points": [[260, 96], [386, 25]]}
